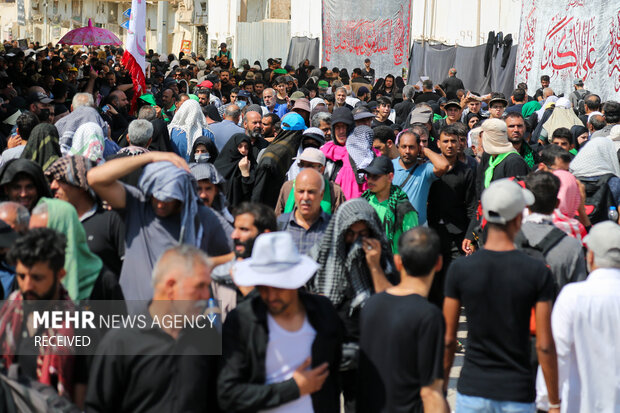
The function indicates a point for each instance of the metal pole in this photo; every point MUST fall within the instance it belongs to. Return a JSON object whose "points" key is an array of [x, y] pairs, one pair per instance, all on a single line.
{"points": [[162, 28], [45, 36], [478, 24]]}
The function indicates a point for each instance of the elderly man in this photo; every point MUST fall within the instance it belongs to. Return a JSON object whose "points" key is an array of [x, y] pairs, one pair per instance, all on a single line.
{"points": [[164, 210], [282, 346], [310, 158], [15, 215], [307, 222], [161, 368], [82, 111], [139, 139], [584, 320]]}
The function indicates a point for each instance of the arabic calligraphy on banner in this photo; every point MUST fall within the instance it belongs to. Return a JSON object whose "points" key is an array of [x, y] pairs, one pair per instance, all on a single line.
{"points": [[568, 40], [349, 36]]}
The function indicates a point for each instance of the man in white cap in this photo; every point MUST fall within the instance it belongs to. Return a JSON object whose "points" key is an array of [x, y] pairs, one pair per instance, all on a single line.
{"points": [[586, 329], [499, 286], [282, 347], [315, 159]]}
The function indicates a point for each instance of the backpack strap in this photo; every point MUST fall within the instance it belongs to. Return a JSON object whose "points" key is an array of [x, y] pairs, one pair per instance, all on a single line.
{"points": [[550, 240]]}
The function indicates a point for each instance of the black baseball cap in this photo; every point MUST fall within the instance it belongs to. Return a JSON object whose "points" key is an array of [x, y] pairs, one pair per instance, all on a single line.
{"points": [[381, 165], [39, 97]]}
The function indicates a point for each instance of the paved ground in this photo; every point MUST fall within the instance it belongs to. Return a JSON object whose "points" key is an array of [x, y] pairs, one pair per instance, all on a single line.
{"points": [[458, 363]]}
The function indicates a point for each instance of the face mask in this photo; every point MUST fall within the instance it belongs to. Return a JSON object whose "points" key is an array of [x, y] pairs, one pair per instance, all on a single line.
{"points": [[44, 115], [202, 157], [241, 103]]}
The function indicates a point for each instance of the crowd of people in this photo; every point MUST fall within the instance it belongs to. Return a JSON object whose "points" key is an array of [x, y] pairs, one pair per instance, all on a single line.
{"points": [[342, 222]]}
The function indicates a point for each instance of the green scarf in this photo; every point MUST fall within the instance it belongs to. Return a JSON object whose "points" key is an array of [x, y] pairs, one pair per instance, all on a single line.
{"points": [[488, 174], [326, 202], [398, 206], [82, 266], [528, 155]]}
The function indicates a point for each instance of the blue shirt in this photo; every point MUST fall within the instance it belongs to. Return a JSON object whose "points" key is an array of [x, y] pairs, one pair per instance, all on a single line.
{"points": [[303, 238], [178, 141], [223, 131], [417, 187]]}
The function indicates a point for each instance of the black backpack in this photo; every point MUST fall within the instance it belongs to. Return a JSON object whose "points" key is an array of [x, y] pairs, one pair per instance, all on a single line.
{"points": [[581, 105], [540, 250], [23, 395], [598, 198]]}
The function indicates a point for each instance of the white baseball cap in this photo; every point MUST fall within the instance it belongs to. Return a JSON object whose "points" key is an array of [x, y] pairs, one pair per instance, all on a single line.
{"points": [[503, 200]]}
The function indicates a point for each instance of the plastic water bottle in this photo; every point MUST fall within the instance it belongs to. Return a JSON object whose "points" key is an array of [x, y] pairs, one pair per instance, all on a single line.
{"points": [[613, 214], [214, 311]]}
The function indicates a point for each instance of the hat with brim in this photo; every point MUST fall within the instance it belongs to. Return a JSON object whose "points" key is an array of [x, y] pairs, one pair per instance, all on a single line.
{"points": [[363, 114], [302, 104], [275, 262], [421, 115], [452, 104], [498, 100], [12, 119], [494, 137]]}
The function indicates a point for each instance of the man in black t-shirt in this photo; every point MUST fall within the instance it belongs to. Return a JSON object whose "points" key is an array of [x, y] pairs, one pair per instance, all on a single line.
{"points": [[409, 377], [499, 286]]}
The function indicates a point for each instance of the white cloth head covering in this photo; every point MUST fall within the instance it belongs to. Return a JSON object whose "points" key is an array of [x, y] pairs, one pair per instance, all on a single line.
{"points": [[563, 116], [495, 138], [614, 135], [598, 157], [190, 119], [88, 141], [317, 101], [546, 105]]}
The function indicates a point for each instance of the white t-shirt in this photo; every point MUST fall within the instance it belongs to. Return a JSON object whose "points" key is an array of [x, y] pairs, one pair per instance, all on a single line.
{"points": [[286, 351]]}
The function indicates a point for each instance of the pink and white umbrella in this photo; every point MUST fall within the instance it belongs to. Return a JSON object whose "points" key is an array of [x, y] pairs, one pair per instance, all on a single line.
{"points": [[90, 36]]}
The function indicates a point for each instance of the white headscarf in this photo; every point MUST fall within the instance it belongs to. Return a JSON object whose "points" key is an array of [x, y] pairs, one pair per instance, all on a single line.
{"points": [[359, 146], [598, 157], [614, 135], [546, 105], [317, 101], [88, 141], [189, 118]]}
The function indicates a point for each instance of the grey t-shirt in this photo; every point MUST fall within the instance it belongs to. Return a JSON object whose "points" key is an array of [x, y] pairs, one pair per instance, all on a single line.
{"points": [[148, 236]]}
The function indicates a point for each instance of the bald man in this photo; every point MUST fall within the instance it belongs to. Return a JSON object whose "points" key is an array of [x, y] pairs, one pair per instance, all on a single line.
{"points": [[307, 222], [16, 215]]}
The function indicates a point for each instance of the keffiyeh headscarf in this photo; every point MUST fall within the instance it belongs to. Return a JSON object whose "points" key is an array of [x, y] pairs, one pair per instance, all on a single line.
{"points": [[342, 268], [359, 146], [88, 141], [189, 118], [71, 170], [597, 158]]}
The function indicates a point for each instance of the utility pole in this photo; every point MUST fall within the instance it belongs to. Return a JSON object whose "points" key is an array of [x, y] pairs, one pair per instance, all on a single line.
{"points": [[162, 28]]}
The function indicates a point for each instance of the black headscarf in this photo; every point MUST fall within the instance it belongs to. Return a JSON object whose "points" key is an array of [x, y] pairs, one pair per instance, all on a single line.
{"points": [[577, 131], [212, 112], [471, 115], [15, 167], [211, 148], [227, 163]]}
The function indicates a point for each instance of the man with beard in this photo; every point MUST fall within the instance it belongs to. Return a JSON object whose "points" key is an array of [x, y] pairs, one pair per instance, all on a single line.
{"points": [[515, 126], [39, 260], [252, 123], [118, 113], [269, 126], [251, 220], [272, 340]]}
